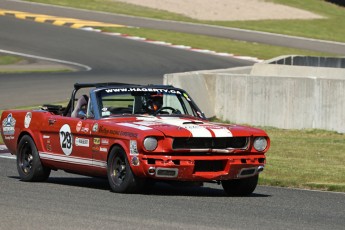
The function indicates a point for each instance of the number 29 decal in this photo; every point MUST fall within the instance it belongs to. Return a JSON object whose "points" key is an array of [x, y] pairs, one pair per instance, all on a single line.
{"points": [[66, 139]]}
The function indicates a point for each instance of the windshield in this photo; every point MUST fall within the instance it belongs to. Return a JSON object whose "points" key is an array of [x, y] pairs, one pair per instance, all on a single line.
{"points": [[116, 102]]}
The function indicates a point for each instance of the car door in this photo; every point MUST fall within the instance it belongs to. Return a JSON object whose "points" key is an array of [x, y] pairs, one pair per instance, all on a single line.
{"points": [[67, 143]]}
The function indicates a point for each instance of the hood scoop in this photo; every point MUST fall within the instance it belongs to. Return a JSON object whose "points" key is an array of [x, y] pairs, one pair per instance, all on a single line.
{"points": [[193, 123]]}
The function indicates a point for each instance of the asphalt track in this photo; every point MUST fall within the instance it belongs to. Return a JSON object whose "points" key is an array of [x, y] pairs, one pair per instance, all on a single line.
{"points": [[68, 201], [111, 58]]}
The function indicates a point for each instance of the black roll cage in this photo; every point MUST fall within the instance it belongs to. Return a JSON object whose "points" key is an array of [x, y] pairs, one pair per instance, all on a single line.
{"points": [[78, 86]]}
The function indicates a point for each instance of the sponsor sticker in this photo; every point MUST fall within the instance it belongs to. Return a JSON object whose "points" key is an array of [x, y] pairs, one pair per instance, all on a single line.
{"points": [[86, 128], [106, 131], [95, 148], [79, 125], [135, 161], [95, 127], [81, 128], [83, 142], [154, 90], [186, 96], [102, 149], [106, 113], [49, 147], [8, 125], [104, 141], [27, 119], [97, 141], [133, 149]]}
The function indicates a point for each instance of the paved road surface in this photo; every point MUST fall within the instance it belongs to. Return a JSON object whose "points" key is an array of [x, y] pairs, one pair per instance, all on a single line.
{"points": [[68, 201], [112, 59]]}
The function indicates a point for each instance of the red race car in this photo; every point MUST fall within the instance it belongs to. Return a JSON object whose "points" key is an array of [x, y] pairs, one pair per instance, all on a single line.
{"points": [[134, 135]]}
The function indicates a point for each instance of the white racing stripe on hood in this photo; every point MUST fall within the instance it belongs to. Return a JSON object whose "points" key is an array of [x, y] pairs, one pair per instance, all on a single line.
{"points": [[221, 132], [199, 129], [195, 129], [140, 127]]}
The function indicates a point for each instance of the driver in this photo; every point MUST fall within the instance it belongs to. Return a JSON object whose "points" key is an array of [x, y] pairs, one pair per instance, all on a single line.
{"points": [[153, 103]]}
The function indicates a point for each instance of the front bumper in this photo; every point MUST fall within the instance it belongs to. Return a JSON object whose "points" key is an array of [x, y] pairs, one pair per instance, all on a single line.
{"points": [[198, 168]]}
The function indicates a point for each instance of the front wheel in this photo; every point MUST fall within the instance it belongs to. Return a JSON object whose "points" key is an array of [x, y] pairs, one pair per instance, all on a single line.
{"points": [[29, 164], [240, 187], [120, 176]]}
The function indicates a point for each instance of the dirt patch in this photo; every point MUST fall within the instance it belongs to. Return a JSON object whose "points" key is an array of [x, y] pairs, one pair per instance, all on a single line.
{"points": [[227, 10]]}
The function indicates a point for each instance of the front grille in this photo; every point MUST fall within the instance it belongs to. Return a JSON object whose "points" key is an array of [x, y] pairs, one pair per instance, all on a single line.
{"points": [[209, 166], [210, 143]]}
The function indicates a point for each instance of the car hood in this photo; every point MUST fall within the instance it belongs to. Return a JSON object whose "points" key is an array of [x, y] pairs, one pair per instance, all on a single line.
{"points": [[189, 127]]}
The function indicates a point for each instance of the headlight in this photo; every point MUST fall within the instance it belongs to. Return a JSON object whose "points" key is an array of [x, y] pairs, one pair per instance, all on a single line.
{"points": [[260, 143], [150, 143]]}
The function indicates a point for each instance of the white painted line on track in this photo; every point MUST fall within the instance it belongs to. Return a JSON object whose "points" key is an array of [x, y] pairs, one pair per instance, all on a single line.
{"points": [[8, 156], [184, 47], [5, 154], [3, 148], [87, 68]]}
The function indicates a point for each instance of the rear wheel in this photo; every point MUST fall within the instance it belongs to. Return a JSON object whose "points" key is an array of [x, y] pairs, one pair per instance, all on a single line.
{"points": [[120, 176], [29, 164], [240, 187]]}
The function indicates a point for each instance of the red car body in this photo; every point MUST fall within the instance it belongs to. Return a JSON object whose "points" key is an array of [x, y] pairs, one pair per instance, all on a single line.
{"points": [[130, 146]]}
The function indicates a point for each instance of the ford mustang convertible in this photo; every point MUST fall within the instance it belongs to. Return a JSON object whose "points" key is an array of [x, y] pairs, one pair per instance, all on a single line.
{"points": [[134, 135]]}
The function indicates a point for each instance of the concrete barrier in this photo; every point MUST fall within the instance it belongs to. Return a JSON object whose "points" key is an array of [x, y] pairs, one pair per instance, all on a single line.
{"points": [[280, 92]]}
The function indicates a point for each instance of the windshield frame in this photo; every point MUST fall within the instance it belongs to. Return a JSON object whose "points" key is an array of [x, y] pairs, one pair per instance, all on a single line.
{"points": [[181, 95]]}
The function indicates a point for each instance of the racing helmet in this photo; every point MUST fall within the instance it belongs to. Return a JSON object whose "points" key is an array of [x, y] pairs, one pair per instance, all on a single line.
{"points": [[152, 102]]}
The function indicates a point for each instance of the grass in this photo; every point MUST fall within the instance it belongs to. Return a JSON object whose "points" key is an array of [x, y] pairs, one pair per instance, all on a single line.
{"points": [[13, 60], [9, 59], [311, 159], [332, 27]]}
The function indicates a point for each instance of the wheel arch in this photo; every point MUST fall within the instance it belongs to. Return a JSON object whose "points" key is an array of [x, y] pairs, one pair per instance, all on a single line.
{"points": [[22, 134], [116, 144], [36, 139], [124, 145]]}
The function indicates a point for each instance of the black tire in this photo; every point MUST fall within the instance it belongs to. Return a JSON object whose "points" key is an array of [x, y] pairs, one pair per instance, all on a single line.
{"points": [[240, 187], [120, 176], [29, 164]]}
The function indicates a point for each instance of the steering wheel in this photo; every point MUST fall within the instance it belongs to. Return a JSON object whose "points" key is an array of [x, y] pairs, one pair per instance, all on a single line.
{"points": [[164, 108]]}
